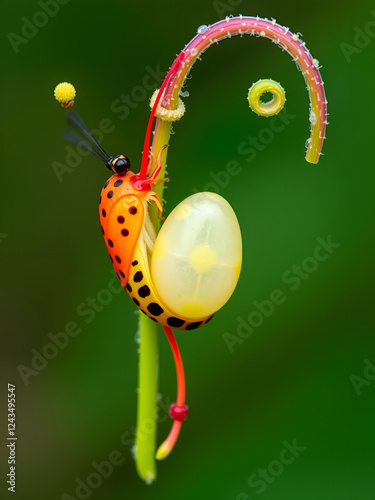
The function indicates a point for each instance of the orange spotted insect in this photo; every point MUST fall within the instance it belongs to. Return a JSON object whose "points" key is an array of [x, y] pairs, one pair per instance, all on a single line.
{"points": [[180, 277]]}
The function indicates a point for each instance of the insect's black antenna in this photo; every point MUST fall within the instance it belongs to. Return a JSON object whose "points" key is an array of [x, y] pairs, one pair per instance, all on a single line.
{"points": [[75, 120], [72, 136]]}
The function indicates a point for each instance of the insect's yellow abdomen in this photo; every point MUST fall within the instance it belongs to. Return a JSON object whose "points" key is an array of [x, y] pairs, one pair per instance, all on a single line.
{"points": [[197, 256]]}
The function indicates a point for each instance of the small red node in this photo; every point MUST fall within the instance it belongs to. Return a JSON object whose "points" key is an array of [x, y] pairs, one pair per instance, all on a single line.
{"points": [[179, 413]]}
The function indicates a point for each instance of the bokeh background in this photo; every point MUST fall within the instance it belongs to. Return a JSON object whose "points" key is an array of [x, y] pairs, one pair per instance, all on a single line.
{"points": [[296, 378]]}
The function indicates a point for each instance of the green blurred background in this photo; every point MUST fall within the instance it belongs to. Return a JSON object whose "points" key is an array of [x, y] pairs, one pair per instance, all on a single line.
{"points": [[292, 379]]}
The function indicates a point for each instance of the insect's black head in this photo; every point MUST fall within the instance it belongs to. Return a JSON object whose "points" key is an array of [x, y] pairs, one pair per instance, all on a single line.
{"points": [[120, 164]]}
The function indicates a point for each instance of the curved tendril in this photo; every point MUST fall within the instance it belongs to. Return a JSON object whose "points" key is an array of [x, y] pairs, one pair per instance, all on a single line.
{"points": [[281, 36], [272, 107], [167, 446]]}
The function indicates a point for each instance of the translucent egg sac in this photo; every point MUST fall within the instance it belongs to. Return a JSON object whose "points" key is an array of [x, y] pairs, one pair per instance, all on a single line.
{"points": [[197, 257]]}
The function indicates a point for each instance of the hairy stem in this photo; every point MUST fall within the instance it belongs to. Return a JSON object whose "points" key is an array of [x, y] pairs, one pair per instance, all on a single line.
{"points": [[161, 137], [287, 41]]}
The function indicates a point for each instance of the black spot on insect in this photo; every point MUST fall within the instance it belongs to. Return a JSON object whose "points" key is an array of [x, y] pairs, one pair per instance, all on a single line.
{"points": [[109, 194], [138, 277], [106, 184], [104, 213], [134, 263], [100, 200], [154, 309], [124, 232], [128, 287], [120, 219], [193, 326], [110, 243], [123, 275], [175, 322], [102, 229], [144, 291], [118, 259], [118, 183], [136, 302], [133, 210]]}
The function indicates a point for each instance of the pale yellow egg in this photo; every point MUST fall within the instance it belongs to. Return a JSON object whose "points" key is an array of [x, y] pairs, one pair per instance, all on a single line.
{"points": [[197, 256]]}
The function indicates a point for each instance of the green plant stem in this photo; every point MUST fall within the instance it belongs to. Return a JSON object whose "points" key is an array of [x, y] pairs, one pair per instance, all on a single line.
{"points": [[147, 396], [161, 137], [148, 357]]}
